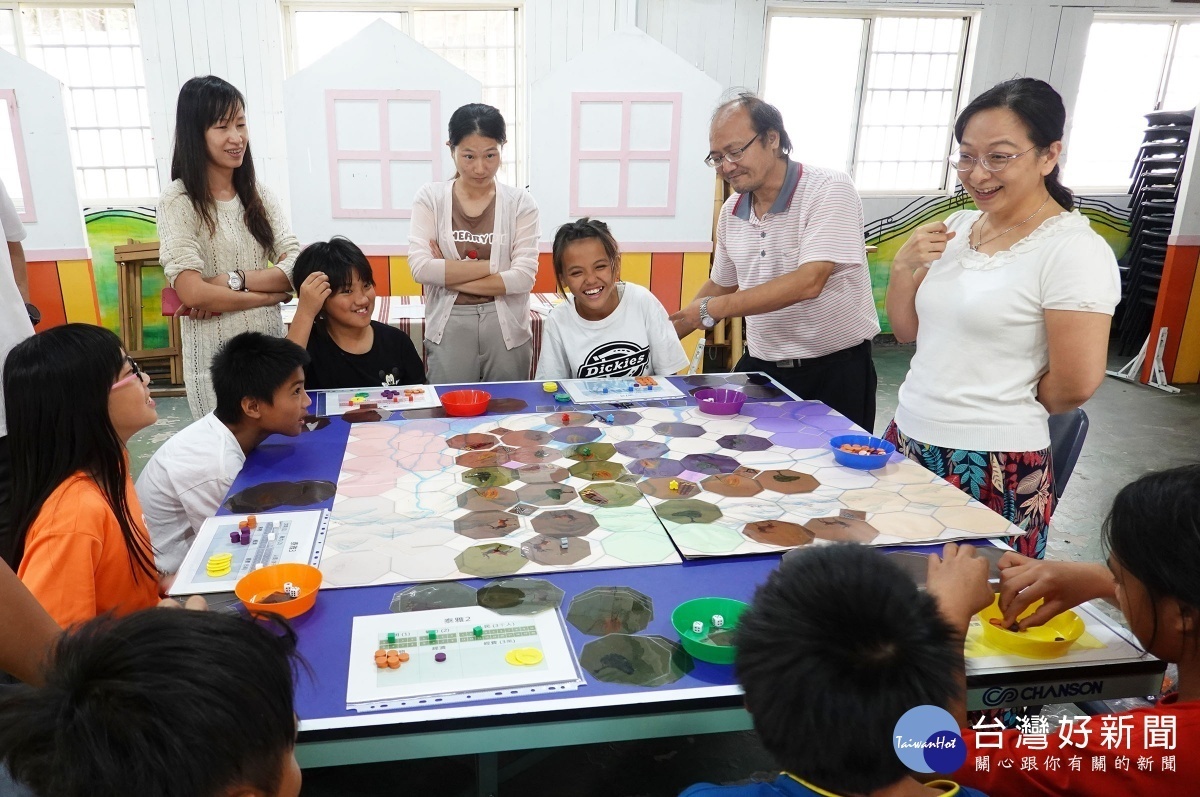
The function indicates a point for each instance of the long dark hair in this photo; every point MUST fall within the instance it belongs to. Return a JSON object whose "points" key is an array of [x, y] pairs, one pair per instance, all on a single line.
{"points": [[56, 387], [581, 230], [478, 118], [1040, 109], [1153, 531], [204, 101]]}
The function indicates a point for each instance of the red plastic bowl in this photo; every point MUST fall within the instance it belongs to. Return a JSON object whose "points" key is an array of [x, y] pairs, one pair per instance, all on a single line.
{"points": [[466, 403], [720, 401]]}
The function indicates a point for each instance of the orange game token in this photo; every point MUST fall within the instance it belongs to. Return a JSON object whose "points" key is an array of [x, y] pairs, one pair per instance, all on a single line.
{"points": [[252, 522], [403, 656], [380, 652], [393, 654], [393, 664]]}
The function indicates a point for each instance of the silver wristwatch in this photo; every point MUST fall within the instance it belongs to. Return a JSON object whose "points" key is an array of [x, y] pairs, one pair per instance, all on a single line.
{"points": [[706, 321], [236, 283]]}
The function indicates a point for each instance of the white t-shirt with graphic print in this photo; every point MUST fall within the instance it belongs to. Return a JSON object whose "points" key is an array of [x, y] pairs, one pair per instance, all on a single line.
{"points": [[635, 340]]}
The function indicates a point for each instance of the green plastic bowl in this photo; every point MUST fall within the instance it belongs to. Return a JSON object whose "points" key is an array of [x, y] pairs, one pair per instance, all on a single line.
{"points": [[702, 609]]}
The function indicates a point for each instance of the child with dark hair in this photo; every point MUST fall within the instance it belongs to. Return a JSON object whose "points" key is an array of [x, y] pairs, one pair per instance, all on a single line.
{"points": [[1152, 536], [169, 703], [259, 385], [74, 398], [837, 645], [605, 328], [333, 321]]}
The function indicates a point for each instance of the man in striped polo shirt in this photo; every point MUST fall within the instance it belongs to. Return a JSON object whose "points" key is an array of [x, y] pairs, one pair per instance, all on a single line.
{"points": [[790, 258]]}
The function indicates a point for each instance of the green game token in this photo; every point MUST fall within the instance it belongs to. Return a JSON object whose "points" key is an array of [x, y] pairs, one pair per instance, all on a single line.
{"points": [[392, 638], [478, 632], [562, 398], [432, 636], [585, 451]]}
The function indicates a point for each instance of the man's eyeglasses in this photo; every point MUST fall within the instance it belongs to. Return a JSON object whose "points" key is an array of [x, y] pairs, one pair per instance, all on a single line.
{"points": [[993, 161], [733, 156], [136, 373]]}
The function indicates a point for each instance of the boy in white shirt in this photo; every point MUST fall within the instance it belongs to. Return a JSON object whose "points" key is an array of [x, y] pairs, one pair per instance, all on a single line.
{"points": [[259, 382]]}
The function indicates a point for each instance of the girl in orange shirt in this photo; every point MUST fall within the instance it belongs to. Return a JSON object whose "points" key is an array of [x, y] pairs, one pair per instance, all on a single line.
{"points": [[74, 398]]}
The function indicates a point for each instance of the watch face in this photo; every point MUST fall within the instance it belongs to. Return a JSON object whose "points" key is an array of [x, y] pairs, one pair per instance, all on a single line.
{"points": [[708, 322], [235, 282]]}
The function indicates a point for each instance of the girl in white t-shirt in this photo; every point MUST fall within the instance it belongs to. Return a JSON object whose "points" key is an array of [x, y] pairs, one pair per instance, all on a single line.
{"points": [[605, 328]]}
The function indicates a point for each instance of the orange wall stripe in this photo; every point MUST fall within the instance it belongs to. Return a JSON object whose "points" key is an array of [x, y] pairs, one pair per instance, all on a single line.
{"points": [[382, 272], [402, 282], [545, 277], [46, 293], [666, 278], [1174, 294], [78, 291]]}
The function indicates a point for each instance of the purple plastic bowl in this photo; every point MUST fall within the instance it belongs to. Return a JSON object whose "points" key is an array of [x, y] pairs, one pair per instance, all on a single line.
{"points": [[720, 401]]}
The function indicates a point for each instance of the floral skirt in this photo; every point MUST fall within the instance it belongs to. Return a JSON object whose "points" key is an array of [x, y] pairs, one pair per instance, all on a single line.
{"points": [[1016, 484]]}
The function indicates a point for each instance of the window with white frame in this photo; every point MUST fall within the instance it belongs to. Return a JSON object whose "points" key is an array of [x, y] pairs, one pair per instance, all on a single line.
{"points": [[482, 41], [1132, 66], [871, 94], [95, 53]]}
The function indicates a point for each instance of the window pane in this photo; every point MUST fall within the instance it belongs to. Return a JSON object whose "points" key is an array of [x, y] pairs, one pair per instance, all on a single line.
{"points": [[8, 31], [1183, 86], [318, 32], [95, 53], [10, 170], [910, 88], [1122, 68], [818, 114]]}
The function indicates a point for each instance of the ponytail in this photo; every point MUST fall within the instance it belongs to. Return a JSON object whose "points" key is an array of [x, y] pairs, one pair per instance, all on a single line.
{"points": [[1059, 192]]}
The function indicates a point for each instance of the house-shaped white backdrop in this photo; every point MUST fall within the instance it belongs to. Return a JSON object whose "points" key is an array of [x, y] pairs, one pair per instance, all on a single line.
{"points": [[620, 133], [366, 127], [36, 163]]}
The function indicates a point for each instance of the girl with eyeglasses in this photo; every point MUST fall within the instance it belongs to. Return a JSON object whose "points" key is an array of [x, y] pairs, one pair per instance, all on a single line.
{"points": [[1010, 307], [74, 399]]}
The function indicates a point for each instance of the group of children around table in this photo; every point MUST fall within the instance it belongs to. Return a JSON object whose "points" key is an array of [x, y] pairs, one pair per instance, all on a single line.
{"points": [[838, 644]]}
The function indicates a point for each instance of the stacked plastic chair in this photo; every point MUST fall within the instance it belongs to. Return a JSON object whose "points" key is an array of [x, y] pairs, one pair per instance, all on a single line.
{"points": [[1154, 190]]}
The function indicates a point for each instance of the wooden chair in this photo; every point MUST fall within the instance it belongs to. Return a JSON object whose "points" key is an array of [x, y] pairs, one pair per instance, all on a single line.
{"points": [[130, 260]]}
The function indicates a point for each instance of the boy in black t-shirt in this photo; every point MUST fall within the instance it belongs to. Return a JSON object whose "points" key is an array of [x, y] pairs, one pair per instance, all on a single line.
{"points": [[333, 321]]}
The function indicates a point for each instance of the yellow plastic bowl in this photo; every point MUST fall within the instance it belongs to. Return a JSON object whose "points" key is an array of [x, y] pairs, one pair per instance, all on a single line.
{"points": [[258, 585], [1047, 641]]}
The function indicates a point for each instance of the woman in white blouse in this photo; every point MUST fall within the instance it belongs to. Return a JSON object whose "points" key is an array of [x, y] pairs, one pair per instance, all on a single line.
{"points": [[219, 233], [474, 246]]}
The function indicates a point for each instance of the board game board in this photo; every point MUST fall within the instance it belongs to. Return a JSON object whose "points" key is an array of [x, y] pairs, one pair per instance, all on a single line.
{"points": [[400, 397], [450, 655], [442, 499], [275, 537], [634, 388]]}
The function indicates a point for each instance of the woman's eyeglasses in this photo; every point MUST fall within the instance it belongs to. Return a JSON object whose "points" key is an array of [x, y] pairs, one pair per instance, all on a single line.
{"points": [[136, 373], [993, 161]]}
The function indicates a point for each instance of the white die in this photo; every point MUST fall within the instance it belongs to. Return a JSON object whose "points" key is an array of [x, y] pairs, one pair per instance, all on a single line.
{"points": [[718, 621]]}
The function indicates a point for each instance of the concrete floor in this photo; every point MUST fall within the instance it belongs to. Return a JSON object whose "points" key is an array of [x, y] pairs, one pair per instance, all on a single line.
{"points": [[1134, 429]]}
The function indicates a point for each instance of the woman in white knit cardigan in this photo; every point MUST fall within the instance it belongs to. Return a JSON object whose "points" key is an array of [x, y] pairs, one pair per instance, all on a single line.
{"points": [[474, 246], [219, 233]]}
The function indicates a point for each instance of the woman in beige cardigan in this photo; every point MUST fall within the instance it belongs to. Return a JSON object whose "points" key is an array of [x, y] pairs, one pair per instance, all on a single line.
{"points": [[474, 246], [219, 233]]}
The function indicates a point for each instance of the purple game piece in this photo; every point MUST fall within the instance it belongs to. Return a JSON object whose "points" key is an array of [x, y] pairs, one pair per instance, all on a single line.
{"points": [[235, 537], [439, 657], [245, 538]]}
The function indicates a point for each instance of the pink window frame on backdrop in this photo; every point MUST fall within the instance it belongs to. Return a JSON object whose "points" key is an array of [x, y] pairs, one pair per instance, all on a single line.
{"points": [[624, 156], [29, 214], [384, 156]]}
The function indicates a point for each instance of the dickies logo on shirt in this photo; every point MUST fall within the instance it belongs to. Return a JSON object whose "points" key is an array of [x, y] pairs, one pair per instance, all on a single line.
{"points": [[615, 358]]}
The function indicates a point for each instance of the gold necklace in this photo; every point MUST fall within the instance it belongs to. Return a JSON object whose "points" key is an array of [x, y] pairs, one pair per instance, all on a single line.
{"points": [[975, 246]]}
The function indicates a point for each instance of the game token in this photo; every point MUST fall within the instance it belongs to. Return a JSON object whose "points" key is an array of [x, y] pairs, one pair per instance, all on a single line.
{"points": [[566, 419], [529, 655], [697, 627], [674, 485], [393, 654], [564, 543], [252, 521], [270, 536], [391, 637], [403, 656], [585, 451], [439, 657], [610, 418], [550, 387], [245, 537], [243, 525], [393, 664], [235, 537], [718, 621], [478, 631], [381, 663], [562, 398], [432, 635]]}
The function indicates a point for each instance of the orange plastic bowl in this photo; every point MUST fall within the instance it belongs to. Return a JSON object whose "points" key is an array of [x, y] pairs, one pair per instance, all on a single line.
{"points": [[466, 403], [257, 585]]}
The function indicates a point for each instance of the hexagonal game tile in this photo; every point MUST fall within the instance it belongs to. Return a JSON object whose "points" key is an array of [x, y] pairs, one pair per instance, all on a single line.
{"points": [[763, 410], [564, 523], [551, 550], [490, 560], [448, 595], [678, 429], [778, 532], [640, 548], [487, 524], [660, 487], [707, 538], [520, 596], [732, 485], [908, 525], [641, 449], [489, 477], [842, 529], [744, 442], [976, 519], [789, 482], [473, 441], [590, 452], [527, 438], [576, 434], [620, 417], [710, 463], [656, 466], [355, 568], [937, 494], [687, 510], [610, 610], [490, 458], [903, 472], [542, 474], [532, 455], [548, 494], [611, 494], [597, 471], [482, 498], [872, 499], [572, 419]]}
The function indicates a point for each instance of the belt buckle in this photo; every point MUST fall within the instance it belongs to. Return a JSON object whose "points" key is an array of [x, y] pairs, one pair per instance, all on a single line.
{"points": [[790, 363]]}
